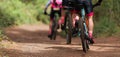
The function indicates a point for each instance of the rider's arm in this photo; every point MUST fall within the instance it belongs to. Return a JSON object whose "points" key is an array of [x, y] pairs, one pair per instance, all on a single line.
{"points": [[98, 3], [47, 5]]}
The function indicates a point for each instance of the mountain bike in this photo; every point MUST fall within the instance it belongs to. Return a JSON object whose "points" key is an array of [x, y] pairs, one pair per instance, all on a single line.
{"points": [[82, 28], [55, 26], [68, 25], [81, 23]]}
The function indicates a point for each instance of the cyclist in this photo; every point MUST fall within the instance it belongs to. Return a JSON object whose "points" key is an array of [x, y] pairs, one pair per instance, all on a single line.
{"points": [[56, 6], [89, 13]]}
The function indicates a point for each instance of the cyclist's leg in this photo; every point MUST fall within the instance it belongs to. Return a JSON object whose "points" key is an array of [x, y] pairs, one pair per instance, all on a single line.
{"points": [[74, 17], [90, 26], [61, 21], [59, 14], [89, 11]]}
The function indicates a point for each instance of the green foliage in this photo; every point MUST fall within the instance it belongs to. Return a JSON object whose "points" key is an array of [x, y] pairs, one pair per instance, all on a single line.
{"points": [[106, 18], [39, 8], [16, 12], [2, 36]]}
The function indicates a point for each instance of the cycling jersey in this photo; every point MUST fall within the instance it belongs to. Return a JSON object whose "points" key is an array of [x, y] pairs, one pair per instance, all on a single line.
{"points": [[57, 5], [88, 6], [53, 5], [86, 3]]}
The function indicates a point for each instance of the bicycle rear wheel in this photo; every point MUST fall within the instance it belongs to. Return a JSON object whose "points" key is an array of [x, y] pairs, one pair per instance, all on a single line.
{"points": [[85, 45], [68, 25], [54, 29]]}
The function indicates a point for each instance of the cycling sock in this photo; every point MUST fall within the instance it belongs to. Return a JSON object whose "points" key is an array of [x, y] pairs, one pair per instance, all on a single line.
{"points": [[90, 34]]}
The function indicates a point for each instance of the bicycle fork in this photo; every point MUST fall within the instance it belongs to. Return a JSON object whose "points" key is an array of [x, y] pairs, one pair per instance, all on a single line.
{"points": [[84, 22]]}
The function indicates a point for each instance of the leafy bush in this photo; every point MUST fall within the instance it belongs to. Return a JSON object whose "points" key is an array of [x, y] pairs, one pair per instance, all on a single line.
{"points": [[14, 12], [106, 18]]}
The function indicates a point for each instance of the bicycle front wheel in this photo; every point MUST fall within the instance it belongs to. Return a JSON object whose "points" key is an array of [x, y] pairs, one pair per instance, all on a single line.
{"points": [[82, 35], [68, 23], [54, 29]]}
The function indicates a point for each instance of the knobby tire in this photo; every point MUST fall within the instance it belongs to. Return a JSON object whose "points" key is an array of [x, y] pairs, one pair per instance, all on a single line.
{"points": [[68, 22], [82, 35], [54, 29]]}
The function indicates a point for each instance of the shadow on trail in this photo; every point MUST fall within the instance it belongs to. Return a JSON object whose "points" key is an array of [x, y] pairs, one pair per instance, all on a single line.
{"points": [[61, 52], [34, 36], [35, 43], [58, 53]]}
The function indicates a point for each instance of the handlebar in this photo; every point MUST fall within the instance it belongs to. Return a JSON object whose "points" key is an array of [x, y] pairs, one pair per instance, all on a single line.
{"points": [[77, 6]]}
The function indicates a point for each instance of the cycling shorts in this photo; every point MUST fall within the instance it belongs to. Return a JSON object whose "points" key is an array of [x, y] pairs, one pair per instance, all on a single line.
{"points": [[86, 3], [53, 12], [88, 7]]}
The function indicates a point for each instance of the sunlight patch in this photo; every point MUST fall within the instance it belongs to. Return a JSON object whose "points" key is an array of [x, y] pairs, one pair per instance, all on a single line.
{"points": [[105, 47]]}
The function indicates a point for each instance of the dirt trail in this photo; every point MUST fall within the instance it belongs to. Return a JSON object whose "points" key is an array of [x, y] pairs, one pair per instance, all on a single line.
{"points": [[32, 41]]}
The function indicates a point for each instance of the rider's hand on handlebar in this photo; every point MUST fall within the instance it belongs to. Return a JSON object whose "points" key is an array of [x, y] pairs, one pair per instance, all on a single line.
{"points": [[45, 12]]}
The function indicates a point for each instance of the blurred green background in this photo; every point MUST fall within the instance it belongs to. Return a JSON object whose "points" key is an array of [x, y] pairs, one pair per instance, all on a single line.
{"points": [[18, 12]]}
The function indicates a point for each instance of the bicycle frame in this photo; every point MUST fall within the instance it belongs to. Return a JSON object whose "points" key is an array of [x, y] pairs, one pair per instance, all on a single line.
{"points": [[83, 18], [83, 32]]}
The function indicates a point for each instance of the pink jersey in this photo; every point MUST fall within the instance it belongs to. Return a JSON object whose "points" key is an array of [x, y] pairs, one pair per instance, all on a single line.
{"points": [[59, 2]]}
